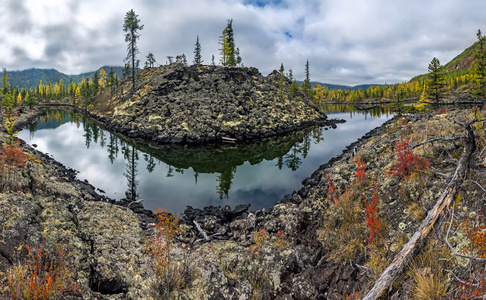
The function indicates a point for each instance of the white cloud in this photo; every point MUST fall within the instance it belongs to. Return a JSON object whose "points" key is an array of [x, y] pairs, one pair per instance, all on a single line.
{"points": [[347, 42]]}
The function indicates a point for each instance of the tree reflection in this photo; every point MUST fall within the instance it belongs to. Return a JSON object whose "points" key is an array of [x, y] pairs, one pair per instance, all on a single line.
{"points": [[150, 162], [112, 148], [286, 151], [225, 180], [87, 132], [131, 172]]}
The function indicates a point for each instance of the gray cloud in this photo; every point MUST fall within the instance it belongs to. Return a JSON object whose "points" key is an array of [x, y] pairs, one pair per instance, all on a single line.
{"points": [[346, 42]]}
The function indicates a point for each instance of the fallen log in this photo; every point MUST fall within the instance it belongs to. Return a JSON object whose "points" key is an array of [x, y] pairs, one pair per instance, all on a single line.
{"points": [[416, 242]]}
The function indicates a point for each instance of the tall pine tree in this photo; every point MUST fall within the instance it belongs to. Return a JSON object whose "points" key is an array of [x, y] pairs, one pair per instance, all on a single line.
{"points": [[132, 26], [228, 49], [436, 81], [480, 67], [197, 53], [307, 87]]}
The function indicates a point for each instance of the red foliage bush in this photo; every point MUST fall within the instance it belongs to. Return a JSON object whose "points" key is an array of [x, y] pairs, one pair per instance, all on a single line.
{"points": [[475, 286], [442, 110], [332, 191], [13, 156], [45, 275], [407, 161], [372, 215], [361, 170]]}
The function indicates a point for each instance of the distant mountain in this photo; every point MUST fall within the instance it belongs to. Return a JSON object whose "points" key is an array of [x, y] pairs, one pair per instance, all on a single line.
{"points": [[338, 86], [79, 77], [31, 78]]}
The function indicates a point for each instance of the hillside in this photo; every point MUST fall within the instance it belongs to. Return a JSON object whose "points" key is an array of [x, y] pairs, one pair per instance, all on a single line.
{"points": [[181, 104], [462, 63], [30, 78]]}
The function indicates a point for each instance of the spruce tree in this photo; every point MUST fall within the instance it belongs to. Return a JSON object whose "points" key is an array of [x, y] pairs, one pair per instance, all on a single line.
{"points": [[436, 82], [197, 53], [227, 41], [307, 87], [150, 63], [96, 85], [480, 66], [132, 26], [5, 83]]}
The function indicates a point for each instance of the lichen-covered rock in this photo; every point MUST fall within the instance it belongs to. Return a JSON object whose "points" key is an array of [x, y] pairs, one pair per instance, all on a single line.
{"points": [[105, 243], [180, 104]]}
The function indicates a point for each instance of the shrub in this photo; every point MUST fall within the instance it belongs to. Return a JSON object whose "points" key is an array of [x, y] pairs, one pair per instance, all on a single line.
{"points": [[281, 240], [170, 276], [44, 276], [372, 215], [442, 110], [11, 158], [361, 170], [260, 237], [258, 274], [332, 191], [407, 161], [475, 286]]}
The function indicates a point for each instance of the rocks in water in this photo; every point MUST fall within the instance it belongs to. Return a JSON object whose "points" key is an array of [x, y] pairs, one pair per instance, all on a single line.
{"points": [[181, 104]]}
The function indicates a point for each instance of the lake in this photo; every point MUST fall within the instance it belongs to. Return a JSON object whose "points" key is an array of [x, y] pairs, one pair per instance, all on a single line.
{"points": [[258, 172]]}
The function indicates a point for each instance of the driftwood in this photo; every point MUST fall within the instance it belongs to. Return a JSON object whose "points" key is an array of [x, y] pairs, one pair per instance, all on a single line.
{"points": [[206, 237], [416, 242]]}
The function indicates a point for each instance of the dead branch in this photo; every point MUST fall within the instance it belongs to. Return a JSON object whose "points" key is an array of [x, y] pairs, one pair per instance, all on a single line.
{"points": [[437, 139], [205, 236], [416, 242]]}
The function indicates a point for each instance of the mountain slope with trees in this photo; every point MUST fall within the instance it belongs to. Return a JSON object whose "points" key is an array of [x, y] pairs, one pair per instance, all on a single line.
{"points": [[31, 78]]}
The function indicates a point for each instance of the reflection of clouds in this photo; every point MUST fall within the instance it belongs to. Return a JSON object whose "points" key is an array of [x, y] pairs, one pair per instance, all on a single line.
{"points": [[261, 185]]}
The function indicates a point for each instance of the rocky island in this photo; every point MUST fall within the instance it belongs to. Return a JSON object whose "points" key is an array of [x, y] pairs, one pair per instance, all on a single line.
{"points": [[187, 104]]}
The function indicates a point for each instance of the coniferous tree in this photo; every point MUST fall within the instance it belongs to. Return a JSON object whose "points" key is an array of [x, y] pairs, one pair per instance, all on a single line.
{"points": [[132, 26], [238, 57], [307, 87], [150, 63], [480, 66], [126, 72], [228, 50], [5, 83], [102, 80], [96, 84], [436, 82], [197, 53], [281, 82]]}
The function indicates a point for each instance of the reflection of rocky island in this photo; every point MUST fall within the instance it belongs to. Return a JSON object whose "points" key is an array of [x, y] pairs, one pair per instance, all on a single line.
{"points": [[181, 104]]}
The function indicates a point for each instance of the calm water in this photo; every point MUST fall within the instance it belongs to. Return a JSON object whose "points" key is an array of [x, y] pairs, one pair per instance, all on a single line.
{"points": [[259, 172]]}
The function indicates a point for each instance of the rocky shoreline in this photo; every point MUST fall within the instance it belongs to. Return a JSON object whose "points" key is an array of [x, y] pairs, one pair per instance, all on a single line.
{"points": [[277, 253]]}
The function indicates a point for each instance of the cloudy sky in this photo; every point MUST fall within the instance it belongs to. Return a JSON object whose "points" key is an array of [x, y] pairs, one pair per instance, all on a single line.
{"points": [[346, 41]]}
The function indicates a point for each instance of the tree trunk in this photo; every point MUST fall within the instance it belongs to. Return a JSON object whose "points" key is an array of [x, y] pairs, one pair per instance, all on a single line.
{"points": [[133, 61], [414, 245]]}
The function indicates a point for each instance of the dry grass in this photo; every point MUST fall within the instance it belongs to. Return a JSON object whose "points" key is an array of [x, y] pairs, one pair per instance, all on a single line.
{"points": [[427, 272]]}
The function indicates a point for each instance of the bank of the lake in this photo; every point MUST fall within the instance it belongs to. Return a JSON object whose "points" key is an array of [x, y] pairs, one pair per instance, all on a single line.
{"points": [[299, 249], [257, 172]]}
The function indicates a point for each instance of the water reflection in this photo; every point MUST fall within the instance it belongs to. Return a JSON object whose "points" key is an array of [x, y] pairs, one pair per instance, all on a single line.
{"points": [[258, 172]]}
